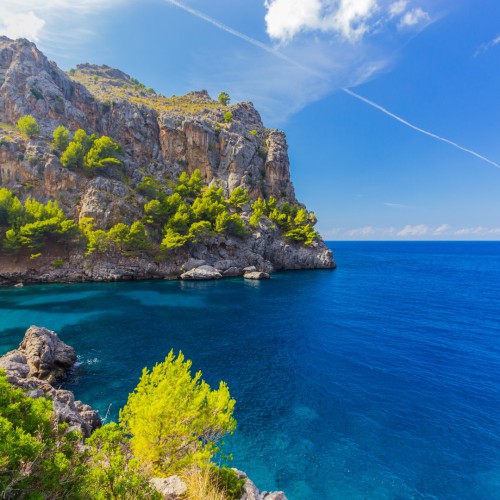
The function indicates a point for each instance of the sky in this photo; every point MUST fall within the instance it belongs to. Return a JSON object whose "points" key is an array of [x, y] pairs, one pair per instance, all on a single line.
{"points": [[391, 107]]}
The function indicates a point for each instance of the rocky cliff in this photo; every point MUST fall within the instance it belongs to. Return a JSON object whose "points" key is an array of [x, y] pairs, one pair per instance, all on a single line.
{"points": [[161, 137]]}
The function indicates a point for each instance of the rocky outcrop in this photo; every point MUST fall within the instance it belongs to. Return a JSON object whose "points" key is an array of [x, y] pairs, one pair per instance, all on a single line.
{"points": [[41, 359], [251, 492], [171, 488], [161, 137]]}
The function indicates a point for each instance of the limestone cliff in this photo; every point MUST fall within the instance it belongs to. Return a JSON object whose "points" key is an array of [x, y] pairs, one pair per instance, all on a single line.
{"points": [[161, 137]]}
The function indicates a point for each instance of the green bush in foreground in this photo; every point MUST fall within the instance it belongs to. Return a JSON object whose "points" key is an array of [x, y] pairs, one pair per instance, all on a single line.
{"points": [[38, 458], [171, 423], [174, 418]]}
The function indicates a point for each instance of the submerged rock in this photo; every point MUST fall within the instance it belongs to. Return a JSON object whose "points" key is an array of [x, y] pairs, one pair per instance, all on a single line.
{"points": [[41, 359]]}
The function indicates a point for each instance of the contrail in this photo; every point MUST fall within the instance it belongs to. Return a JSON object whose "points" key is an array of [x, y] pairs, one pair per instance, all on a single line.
{"points": [[418, 129], [242, 36], [282, 56]]}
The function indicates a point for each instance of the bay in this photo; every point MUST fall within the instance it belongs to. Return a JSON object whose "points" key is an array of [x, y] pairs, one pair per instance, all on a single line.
{"points": [[380, 379]]}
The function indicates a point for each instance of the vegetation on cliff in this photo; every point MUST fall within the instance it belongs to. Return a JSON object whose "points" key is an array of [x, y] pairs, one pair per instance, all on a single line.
{"points": [[171, 423], [191, 213], [111, 152]]}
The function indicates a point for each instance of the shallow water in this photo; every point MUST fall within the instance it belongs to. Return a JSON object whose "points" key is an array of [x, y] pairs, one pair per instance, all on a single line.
{"points": [[380, 379]]}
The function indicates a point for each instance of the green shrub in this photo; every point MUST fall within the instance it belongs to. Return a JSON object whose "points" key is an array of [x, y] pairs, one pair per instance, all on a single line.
{"points": [[228, 117], [38, 458], [61, 138], [253, 132], [36, 93], [174, 418], [113, 472], [28, 126], [224, 98], [228, 482]]}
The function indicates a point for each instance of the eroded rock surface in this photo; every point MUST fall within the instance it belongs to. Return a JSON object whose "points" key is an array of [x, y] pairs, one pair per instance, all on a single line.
{"points": [[41, 359], [161, 137]]}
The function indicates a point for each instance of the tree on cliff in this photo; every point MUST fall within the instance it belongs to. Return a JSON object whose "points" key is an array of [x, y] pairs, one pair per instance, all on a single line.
{"points": [[61, 138], [28, 126], [224, 98]]}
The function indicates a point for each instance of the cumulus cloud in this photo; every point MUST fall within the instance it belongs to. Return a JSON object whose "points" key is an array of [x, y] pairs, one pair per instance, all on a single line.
{"points": [[349, 19], [414, 17], [287, 18]]}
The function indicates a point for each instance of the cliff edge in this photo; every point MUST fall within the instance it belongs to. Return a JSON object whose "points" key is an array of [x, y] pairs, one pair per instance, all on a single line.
{"points": [[159, 139]]}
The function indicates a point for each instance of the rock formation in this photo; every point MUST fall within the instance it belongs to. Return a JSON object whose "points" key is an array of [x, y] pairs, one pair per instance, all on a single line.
{"points": [[40, 361], [161, 137]]}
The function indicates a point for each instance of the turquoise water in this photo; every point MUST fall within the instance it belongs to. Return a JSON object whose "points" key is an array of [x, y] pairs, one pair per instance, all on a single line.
{"points": [[380, 379]]}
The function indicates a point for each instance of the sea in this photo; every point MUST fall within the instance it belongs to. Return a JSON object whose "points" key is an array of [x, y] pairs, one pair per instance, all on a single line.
{"points": [[377, 380]]}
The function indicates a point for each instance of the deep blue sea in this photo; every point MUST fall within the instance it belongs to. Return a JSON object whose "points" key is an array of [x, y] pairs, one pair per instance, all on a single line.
{"points": [[379, 380]]}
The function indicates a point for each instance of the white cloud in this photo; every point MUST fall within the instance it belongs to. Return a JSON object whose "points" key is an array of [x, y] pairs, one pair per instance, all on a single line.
{"points": [[418, 230], [347, 18], [58, 23], [414, 232], [397, 8], [21, 25], [442, 229], [362, 231], [351, 18], [414, 17], [486, 46], [286, 18]]}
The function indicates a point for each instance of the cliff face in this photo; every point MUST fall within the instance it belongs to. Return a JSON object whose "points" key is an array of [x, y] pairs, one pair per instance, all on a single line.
{"points": [[161, 137]]}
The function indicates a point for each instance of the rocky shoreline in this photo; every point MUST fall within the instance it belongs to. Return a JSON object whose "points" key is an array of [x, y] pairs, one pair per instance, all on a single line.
{"points": [[262, 252], [42, 360]]}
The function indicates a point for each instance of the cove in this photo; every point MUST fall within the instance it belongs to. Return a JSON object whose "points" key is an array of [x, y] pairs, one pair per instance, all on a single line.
{"points": [[380, 379]]}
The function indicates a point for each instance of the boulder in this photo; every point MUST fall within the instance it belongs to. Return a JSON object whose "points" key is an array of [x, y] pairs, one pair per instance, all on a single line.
{"points": [[193, 263], [42, 358], [48, 357], [172, 487], [233, 271], [256, 275], [202, 273]]}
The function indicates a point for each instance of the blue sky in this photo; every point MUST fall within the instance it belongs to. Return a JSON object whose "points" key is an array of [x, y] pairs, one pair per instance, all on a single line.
{"points": [[434, 63]]}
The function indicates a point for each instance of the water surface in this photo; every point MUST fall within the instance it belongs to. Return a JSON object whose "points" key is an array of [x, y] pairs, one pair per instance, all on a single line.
{"points": [[380, 379]]}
